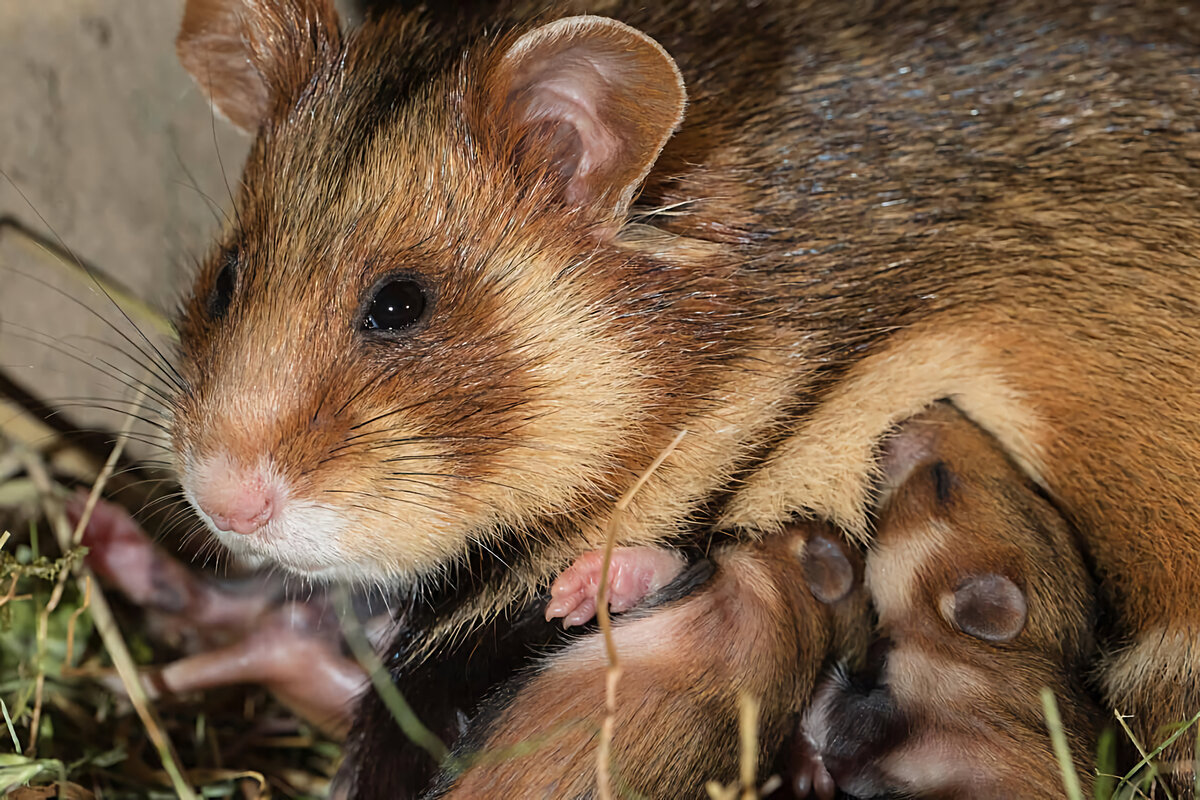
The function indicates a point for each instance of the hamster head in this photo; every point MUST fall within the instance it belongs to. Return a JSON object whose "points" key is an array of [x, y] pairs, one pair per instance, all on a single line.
{"points": [[424, 326], [969, 551]]}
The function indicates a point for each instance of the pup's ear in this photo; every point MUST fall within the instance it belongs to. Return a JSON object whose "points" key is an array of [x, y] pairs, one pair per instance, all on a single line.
{"points": [[591, 102], [253, 58], [989, 607]]}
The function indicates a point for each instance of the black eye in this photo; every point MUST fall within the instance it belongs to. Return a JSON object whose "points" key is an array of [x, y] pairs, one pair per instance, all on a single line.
{"points": [[222, 293], [396, 304]]}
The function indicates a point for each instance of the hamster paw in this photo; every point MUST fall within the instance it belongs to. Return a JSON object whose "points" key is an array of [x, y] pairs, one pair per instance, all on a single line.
{"points": [[634, 573]]}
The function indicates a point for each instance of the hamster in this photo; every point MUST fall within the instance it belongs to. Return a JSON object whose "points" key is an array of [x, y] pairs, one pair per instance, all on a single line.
{"points": [[478, 277], [983, 599], [763, 625]]}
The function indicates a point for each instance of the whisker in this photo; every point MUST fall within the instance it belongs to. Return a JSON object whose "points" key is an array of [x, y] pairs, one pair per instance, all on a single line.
{"points": [[466, 478], [393, 499], [162, 367], [391, 412], [165, 437], [214, 207], [395, 477], [159, 418], [221, 165], [58, 346]]}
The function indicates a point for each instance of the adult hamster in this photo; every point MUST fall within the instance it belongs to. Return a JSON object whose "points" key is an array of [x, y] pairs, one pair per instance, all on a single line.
{"points": [[479, 278]]}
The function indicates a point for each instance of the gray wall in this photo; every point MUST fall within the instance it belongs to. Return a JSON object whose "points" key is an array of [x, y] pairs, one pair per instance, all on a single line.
{"points": [[112, 144]]}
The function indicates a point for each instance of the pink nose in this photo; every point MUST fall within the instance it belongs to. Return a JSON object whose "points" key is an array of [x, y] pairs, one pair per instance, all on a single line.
{"points": [[237, 500]]}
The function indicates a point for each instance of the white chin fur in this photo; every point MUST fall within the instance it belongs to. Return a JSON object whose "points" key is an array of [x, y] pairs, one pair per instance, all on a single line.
{"points": [[304, 539]]}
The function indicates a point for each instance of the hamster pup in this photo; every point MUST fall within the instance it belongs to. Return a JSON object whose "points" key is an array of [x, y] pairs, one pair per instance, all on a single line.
{"points": [[983, 599], [770, 617]]}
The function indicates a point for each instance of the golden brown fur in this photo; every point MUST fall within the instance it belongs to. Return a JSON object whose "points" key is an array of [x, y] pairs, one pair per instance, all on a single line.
{"points": [[868, 207]]}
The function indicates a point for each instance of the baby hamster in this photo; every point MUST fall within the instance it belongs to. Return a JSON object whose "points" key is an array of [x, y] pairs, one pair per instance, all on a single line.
{"points": [[983, 599]]}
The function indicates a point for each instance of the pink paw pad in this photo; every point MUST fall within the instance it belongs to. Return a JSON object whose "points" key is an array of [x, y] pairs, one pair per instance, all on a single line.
{"points": [[633, 574]]}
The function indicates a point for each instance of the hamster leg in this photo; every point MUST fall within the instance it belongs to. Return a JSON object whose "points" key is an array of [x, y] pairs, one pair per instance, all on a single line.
{"points": [[296, 663], [806, 771]]}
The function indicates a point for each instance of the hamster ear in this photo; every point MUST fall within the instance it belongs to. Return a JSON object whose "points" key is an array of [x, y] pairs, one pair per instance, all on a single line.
{"points": [[989, 607], [253, 57], [827, 569], [591, 101]]}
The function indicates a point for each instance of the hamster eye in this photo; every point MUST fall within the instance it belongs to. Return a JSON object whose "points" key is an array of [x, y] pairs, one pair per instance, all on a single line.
{"points": [[397, 304], [222, 293]]}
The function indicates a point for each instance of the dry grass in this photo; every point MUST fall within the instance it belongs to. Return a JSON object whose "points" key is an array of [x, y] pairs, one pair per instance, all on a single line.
{"points": [[68, 734], [63, 644]]}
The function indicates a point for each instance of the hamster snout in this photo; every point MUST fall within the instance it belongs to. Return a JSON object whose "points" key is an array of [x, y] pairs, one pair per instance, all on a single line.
{"points": [[235, 499]]}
